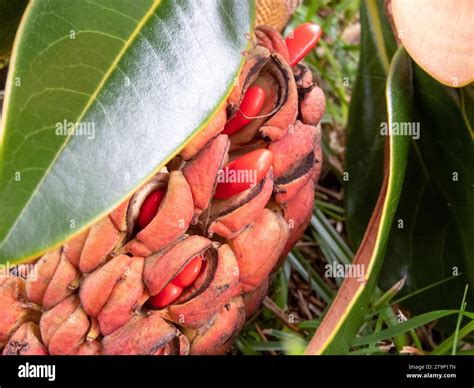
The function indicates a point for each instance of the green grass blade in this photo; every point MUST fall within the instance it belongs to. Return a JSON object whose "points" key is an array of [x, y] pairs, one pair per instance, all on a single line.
{"points": [[448, 343], [317, 284], [310, 324], [405, 327], [419, 291], [390, 294], [245, 347], [322, 226], [281, 289], [458, 324], [269, 346]]}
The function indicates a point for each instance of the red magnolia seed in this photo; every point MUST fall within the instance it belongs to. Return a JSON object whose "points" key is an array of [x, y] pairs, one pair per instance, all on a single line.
{"points": [[302, 40], [243, 173], [189, 273], [250, 106], [166, 296], [185, 278], [150, 208]]}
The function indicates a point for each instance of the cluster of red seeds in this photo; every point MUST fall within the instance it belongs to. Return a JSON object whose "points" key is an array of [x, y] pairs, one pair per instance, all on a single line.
{"points": [[129, 301], [301, 41]]}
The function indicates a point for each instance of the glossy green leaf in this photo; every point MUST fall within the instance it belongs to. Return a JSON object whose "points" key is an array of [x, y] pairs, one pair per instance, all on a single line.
{"points": [[346, 313], [364, 149], [10, 15], [139, 77], [433, 237]]}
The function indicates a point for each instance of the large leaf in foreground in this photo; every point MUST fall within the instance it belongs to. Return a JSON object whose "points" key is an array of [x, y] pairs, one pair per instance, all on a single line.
{"points": [[346, 314], [364, 150], [139, 77]]}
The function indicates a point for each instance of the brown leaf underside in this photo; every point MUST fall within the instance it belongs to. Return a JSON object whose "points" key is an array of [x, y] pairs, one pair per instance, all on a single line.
{"points": [[341, 304]]}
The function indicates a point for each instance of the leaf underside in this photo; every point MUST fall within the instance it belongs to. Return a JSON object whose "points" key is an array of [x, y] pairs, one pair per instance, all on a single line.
{"points": [[343, 319]]}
